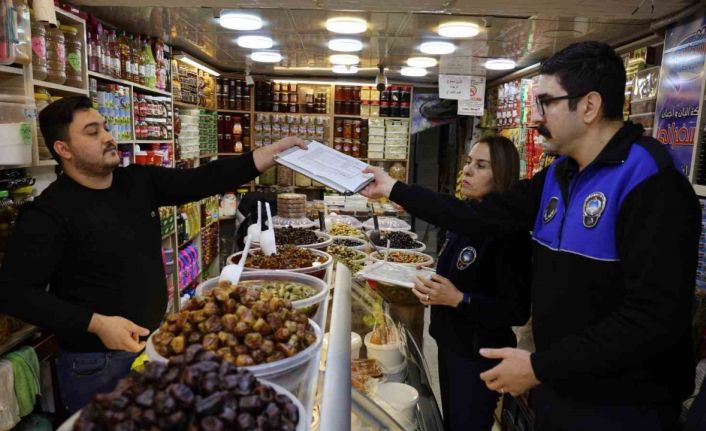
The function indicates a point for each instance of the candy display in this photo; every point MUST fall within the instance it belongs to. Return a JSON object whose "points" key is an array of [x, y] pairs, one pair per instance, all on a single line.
{"points": [[243, 326], [194, 391]]}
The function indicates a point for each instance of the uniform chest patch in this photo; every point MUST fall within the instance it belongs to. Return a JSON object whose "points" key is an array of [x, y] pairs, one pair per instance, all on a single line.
{"points": [[466, 258], [550, 210], [593, 208]]}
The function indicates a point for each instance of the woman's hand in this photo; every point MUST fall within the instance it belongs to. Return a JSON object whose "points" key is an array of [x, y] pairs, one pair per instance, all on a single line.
{"points": [[437, 290], [381, 186], [265, 156]]}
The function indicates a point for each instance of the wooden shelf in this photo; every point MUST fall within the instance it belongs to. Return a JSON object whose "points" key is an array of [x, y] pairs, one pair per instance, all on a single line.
{"points": [[367, 117], [129, 83], [18, 337], [203, 156], [231, 111], [59, 87], [152, 141], [190, 239], [11, 70], [209, 225], [63, 16], [46, 163], [386, 160], [180, 104], [230, 154], [304, 114]]}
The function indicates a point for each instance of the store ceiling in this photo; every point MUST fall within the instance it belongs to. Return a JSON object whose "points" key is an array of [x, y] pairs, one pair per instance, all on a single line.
{"points": [[524, 31]]}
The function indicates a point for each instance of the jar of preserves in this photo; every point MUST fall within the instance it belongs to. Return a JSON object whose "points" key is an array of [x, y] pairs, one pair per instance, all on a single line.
{"points": [[338, 144], [39, 50], [74, 59], [339, 95], [285, 176], [357, 125], [56, 56], [348, 129], [338, 128], [355, 148], [347, 143]]}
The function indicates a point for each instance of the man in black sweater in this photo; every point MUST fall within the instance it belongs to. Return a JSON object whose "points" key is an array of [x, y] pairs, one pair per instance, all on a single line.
{"points": [[615, 228], [93, 237]]}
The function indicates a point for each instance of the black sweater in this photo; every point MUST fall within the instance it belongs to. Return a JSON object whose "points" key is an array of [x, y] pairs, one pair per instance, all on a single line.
{"points": [[496, 273], [100, 250], [611, 331]]}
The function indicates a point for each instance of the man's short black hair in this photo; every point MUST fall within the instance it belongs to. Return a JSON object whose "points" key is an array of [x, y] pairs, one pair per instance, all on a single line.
{"points": [[590, 66], [54, 120]]}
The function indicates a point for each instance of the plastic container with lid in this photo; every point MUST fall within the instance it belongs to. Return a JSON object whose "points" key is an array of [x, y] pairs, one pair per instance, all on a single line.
{"points": [[39, 50], [74, 58], [56, 56], [23, 50], [16, 132], [42, 101]]}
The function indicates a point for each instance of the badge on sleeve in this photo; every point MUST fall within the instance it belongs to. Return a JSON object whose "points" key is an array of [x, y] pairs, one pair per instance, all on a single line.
{"points": [[550, 210], [593, 208], [466, 258]]}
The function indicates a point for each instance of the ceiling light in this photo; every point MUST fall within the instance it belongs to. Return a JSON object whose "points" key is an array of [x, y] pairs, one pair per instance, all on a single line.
{"points": [[438, 48], [345, 45], [341, 68], [239, 21], [266, 56], [254, 42], [346, 59], [192, 62], [500, 64], [346, 25], [458, 29], [422, 62], [413, 71]]}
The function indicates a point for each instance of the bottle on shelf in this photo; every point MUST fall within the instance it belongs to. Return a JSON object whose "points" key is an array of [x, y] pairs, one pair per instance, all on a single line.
{"points": [[161, 68], [150, 65], [125, 57], [138, 59]]}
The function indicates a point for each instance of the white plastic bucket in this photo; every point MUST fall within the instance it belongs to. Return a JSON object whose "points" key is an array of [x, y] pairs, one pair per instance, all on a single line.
{"points": [[402, 399], [389, 355]]}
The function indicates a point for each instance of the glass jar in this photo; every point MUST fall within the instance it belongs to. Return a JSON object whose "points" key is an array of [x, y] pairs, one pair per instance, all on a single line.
{"points": [[41, 101], [338, 128], [302, 180], [340, 93], [269, 177], [338, 144], [357, 125], [347, 143], [398, 171], [39, 50], [56, 56], [285, 177], [355, 148], [347, 129], [74, 46]]}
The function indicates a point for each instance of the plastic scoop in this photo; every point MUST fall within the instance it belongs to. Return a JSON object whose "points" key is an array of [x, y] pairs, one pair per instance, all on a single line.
{"points": [[267, 237], [254, 229], [387, 251], [232, 272]]}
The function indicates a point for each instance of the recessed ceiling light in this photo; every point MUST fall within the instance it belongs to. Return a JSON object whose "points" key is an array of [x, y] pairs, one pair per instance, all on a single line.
{"points": [[413, 71], [346, 25], [345, 45], [341, 68], [239, 21], [500, 64], [437, 48], [266, 56], [254, 42], [346, 59], [458, 29], [422, 62]]}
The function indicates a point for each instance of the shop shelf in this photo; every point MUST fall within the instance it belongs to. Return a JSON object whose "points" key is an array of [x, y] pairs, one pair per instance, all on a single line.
{"points": [[209, 225], [17, 337], [46, 163], [386, 160], [180, 104], [59, 87], [230, 154], [137, 86], [153, 141], [203, 156], [67, 17], [303, 114], [231, 111], [124, 142], [190, 239], [369, 116], [167, 235], [11, 70]]}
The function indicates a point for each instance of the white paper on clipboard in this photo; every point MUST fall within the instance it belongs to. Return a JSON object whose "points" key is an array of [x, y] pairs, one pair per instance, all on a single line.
{"points": [[395, 274]]}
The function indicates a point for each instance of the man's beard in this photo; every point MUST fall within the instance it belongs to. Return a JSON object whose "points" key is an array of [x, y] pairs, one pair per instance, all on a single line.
{"points": [[98, 168]]}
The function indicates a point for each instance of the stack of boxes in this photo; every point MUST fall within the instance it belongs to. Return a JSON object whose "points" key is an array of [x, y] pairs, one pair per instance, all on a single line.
{"points": [[189, 134], [701, 266], [396, 139], [208, 142], [376, 138]]}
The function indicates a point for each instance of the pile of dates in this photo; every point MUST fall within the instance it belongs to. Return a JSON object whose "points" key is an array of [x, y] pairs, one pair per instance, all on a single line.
{"points": [[194, 391], [241, 325], [287, 257]]}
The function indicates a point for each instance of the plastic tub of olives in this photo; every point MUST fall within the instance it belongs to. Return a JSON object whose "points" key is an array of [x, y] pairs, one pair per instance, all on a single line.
{"points": [[350, 241], [290, 283], [404, 257], [291, 372], [324, 240], [318, 269], [68, 425]]}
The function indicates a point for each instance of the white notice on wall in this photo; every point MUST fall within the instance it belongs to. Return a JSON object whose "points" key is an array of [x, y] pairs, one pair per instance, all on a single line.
{"points": [[454, 86], [473, 104]]}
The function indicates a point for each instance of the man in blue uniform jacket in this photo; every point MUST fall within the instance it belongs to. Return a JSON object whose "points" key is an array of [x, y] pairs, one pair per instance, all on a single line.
{"points": [[615, 228]]}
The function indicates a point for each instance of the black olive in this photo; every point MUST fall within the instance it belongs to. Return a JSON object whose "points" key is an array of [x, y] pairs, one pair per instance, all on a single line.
{"points": [[210, 405]]}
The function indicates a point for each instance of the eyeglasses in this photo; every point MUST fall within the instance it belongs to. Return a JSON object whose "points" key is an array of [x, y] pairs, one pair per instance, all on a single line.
{"points": [[542, 103]]}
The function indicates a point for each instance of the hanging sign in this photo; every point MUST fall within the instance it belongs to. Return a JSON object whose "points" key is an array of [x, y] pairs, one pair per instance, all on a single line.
{"points": [[454, 86], [473, 105]]}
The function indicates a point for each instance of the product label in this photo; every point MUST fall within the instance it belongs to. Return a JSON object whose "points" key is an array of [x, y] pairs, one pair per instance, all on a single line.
{"points": [[26, 133], [39, 47], [74, 60], [61, 54]]}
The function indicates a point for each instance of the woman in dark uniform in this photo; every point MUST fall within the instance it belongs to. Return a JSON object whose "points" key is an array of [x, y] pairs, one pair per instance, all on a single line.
{"points": [[480, 290]]}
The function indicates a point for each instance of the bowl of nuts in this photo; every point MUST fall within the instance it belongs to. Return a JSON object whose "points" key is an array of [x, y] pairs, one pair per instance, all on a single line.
{"points": [[404, 257], [307, 293], [288, 257], [196, 390], [248, 327]]}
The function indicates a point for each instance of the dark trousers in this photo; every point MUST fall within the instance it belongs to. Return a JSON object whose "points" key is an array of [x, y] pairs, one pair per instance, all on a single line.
{"points": [[467, 403], [555, 413], [82, 375]]}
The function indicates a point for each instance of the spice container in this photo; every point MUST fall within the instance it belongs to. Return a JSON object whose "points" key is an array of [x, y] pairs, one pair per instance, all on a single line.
{"points": [[56, 56], [284, 176], [74, 45], [39, 51]]}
